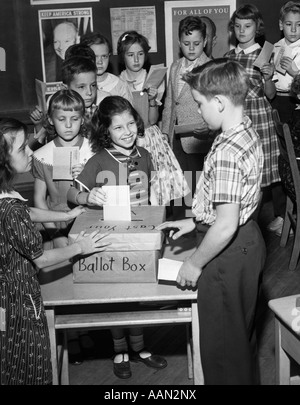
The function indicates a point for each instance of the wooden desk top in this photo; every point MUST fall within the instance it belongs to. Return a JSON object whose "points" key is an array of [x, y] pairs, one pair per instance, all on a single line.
{"points": [[58, 288], [285, 309]]}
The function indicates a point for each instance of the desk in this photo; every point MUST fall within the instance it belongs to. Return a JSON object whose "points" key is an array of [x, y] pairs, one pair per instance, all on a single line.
{"points": [[287, 336], [63, 292]]}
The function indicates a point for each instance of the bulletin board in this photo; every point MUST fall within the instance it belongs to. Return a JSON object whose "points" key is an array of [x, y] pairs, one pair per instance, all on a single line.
{"points": [[21, 40], [219, 11]]}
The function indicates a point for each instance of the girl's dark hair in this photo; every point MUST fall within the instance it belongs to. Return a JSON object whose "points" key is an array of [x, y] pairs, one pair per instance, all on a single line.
{"points": [[12, 127], [95, 39], [248, 12], [129, 38], [67, 100], [190, 24], [102, 118]]}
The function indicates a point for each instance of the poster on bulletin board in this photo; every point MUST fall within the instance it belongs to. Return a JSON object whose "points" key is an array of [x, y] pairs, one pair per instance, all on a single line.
{"points": [[219, 11], [60, 29]]}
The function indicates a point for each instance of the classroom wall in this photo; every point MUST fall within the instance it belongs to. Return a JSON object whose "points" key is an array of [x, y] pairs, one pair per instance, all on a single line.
{"points": [[19, 36]]}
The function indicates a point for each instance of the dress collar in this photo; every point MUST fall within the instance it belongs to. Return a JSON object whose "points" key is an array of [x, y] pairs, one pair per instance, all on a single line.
{"points": [[12, 194], [251, 48]]}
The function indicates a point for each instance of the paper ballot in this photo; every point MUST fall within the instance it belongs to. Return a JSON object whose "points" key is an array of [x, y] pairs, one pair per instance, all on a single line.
{"points": [[40, 89], [284, 51], [155, 76], [168, 269], [265, 55], [117, 207], [63, 161]]}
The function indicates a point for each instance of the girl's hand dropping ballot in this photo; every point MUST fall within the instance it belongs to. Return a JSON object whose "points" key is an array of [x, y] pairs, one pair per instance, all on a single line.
{"points": [[96, 197], [178, 228]]}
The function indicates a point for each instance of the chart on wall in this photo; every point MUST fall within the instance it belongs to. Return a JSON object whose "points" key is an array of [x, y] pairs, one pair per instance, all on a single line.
{"points": [[60, 29], [140, 19], [219, 11]]}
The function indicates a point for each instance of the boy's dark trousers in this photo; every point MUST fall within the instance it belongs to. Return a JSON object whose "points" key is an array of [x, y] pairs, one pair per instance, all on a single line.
{"points": [[227, 296]]}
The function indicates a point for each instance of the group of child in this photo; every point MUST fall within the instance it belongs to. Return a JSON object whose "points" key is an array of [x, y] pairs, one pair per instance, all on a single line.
{"points": [[113, 121]]}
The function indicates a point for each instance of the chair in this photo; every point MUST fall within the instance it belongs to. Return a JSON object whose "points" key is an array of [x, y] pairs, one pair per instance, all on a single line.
{"points": [[292, 212]]}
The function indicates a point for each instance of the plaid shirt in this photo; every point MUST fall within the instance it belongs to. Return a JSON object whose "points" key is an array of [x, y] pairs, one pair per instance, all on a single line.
{"points": [[232, 174]]}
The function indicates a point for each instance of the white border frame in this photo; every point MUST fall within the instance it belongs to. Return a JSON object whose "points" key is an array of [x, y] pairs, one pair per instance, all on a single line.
{"points": [[171, 5]]}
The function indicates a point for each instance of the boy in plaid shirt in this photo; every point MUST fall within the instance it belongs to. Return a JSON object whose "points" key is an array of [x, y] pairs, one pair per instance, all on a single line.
{"points": [[227, 264]]}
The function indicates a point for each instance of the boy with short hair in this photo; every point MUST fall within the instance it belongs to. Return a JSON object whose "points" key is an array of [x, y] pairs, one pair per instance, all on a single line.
{"points": [[289, 24], [181, 109], [228, 262], [79, 73]]}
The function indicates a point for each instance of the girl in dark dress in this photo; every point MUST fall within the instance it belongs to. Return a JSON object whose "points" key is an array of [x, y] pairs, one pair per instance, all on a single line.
{"points": [[24, 340]]}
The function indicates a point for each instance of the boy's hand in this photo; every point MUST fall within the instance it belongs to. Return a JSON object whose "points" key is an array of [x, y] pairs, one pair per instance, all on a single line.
{"points": [[96, 196], [75, 212], [92, 242], [188, 274], [267, 71], [77, 169], [36, 115], [289, 65], [178, 228]]}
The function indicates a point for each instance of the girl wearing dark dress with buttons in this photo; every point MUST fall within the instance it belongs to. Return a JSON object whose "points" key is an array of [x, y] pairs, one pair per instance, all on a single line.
{"points": [[24, 340]]}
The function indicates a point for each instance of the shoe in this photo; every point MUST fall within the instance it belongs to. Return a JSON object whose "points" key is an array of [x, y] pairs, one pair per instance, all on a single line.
{"points": [[153, 360], [122, 370], [276, 225], [74, 352]]}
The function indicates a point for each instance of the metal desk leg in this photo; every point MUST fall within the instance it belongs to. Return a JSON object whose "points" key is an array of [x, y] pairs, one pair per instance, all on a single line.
{"points": [[197, 366], [52, 333]]}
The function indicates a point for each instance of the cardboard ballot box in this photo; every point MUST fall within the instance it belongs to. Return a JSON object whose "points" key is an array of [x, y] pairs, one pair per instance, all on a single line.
{"points": [[133, 254]]}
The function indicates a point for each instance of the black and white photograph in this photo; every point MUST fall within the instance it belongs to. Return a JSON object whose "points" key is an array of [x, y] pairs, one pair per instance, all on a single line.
{"points": [[149, 197]]}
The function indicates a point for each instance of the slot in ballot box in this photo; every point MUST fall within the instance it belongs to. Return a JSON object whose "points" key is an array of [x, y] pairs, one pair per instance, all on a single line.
{"points": [[133, 254]]}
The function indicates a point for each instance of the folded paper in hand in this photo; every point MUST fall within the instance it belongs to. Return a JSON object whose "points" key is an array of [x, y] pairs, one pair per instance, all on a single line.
{"points": [[168, 269], [265, 55], [63, 161], [155, 76], [40, 89], [284, 51]]}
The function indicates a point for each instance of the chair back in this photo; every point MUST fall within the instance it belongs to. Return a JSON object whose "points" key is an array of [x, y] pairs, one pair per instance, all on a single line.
{"points": [[287, 151]]}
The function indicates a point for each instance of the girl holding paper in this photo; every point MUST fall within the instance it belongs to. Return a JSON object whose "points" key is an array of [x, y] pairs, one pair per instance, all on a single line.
{"points": [[133, 50], [247, 25], [66, 122], [116, 126]]}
